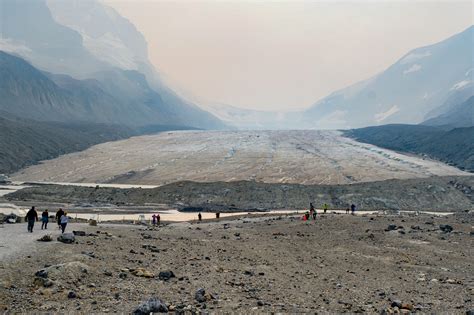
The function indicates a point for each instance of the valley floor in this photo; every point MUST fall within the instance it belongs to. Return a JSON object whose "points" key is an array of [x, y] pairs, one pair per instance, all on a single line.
{"points": [[289, 156], [338, 263]]}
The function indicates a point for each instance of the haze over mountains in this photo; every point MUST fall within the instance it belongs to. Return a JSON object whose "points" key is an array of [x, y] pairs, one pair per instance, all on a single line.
{"points": [[415, 88], [102, 48], [79, 63]]}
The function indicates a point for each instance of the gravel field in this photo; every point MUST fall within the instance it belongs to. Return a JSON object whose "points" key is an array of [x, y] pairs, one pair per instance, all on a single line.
{"points": [[338, 263]]}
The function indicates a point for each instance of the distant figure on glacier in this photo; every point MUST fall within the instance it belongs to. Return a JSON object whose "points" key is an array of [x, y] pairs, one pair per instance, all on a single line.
{"points": [[199, 216], [158, 219], [153, 219], [353, 209]]}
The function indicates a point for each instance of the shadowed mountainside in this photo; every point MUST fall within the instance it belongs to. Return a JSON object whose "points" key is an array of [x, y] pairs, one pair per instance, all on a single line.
{"points": [[454, 146]]}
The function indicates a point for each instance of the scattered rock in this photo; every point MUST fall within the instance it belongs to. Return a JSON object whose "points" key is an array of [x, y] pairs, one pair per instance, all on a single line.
{"points": [[202, 296], [166, 275], [45, 238], [71, 295], [151, 306], [446, 228], [142, 272], [67, 238], [391, 227], [79, 233]]}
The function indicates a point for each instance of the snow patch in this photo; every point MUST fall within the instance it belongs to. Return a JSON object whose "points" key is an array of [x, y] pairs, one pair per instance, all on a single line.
{"points": [[416, 67], [111, 49], [14, 46], [426, 96], [379, 117], [415, 56], [460, 85]]}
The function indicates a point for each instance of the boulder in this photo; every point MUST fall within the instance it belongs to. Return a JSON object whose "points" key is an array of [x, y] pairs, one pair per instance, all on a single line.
{"points": [[79, 233], [166, 275], [142, 272], [67, 238], [152, 305], [45, 238], [202, 296], [446, 228], [391, 227]]}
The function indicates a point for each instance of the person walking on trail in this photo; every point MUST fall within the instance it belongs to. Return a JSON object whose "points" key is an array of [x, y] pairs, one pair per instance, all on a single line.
{"points": [[312, 211], [306, 216], [347, 210], [153, 219], [158, 218], [64, 220], [199, 216], [44, 219], [31, 217], [325, 207], [353, 209], [59, 214]]}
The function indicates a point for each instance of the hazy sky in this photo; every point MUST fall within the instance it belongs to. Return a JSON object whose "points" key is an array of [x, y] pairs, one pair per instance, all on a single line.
{"points": [[276, 55]]}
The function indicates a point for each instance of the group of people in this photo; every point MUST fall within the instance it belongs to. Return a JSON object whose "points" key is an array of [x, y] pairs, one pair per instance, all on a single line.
{"points": [[311, 214], [32, 216], [155, 219]]}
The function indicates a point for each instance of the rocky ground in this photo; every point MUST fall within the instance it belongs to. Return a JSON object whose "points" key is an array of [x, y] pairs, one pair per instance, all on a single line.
{"points": [[338, 263], [444, 194]]}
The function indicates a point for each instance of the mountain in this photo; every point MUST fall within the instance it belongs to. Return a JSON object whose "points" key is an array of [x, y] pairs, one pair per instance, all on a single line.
{"points": [[455, 116], [102, 52], [407, 91], [453, 146], [24, 142]]}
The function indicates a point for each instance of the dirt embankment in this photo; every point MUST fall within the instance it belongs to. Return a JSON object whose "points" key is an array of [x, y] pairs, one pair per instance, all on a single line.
{"points": [[338, 263], [430, 194]]}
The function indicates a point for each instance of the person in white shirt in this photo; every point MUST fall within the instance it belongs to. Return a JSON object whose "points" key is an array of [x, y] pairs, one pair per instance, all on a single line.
{"points": [[64, 220]]}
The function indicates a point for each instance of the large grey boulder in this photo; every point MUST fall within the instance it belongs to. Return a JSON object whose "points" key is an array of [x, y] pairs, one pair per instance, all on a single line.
{"points": [[67, 238]]}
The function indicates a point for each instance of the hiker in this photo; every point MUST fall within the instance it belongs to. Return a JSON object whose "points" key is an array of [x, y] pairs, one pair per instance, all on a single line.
{"points": [[218, 215], [325, 207], [31, 217], [353, 209], [314, 215], [199, 217], [347, 210], [158, 218], [44, 219], [306, 216], [312, 211], [153, 219], [64, 220], [59, 214]]}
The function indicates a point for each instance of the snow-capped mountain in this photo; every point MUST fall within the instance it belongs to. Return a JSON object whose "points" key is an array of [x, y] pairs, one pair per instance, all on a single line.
{"points": [[406, 92]]}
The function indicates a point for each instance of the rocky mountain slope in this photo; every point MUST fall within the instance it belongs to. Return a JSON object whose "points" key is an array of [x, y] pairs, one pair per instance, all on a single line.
{"points": [[24, 142], [453, 146], [407, 91], [456, 116], [68, 45]]}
